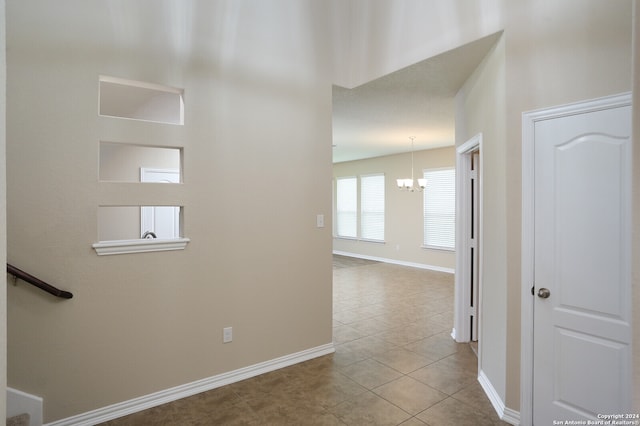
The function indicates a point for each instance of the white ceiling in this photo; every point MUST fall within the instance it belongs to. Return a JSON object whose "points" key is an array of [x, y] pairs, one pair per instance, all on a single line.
{"points": [[377, 118]]}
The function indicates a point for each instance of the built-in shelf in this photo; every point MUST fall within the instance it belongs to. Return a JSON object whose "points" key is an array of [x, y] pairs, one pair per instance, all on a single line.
{"points": [[130, 223], [104, 248], [126, 229]]}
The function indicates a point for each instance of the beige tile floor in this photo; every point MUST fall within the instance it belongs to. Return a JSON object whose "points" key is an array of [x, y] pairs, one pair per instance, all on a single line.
{"points": [[395, 364]]}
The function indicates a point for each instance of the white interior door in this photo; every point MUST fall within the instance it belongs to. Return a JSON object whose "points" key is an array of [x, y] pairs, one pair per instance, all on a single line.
{"points": [[160, 221], [582, 271]]}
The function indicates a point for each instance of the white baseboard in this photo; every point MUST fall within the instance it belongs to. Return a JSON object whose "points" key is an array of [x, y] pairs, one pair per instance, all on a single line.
{"points": [[168, 395], [19, 402], [506, 414], [396, 262], [511, 416]]}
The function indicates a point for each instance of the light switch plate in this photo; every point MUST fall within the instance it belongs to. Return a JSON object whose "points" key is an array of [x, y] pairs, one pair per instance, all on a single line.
{"points": [[227, 334]]}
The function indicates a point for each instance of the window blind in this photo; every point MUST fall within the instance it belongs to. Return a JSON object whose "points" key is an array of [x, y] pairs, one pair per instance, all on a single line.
{"points": [[440, 208], [347, 207], [372, 207]]}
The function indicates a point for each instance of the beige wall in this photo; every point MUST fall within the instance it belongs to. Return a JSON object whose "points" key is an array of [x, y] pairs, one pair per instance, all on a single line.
{"points": [[3, 209], [387, 35], [635, 250], [403, 210], [257, 171], [544, 59], [556, 53], [481, 108]]}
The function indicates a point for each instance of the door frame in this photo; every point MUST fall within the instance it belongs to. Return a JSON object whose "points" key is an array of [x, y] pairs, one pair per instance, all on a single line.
{"points": [[529, 120], [147, 216], [461, 327]]}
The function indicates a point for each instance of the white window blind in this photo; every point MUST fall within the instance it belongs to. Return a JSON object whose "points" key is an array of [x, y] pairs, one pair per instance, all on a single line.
{"points": [[347, 207], [372, 207], [440, 209]]}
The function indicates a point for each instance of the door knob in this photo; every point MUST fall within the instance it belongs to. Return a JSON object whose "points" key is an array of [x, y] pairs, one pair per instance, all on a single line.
{"points": [[544, 293]]}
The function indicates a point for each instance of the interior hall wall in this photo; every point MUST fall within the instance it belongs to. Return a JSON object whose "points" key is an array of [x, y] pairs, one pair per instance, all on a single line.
{"points": [[481, 109], [556, 53], [387, 35], [257, 167], [3, 211], [635, 250]]}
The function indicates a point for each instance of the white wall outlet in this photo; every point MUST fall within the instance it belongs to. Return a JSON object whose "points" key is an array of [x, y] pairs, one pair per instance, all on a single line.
{"points": [[320, 221], [227, 334]]}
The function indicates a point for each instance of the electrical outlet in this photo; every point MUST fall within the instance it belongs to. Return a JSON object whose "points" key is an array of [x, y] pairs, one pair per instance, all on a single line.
{"points": [[320, 221], [227, 334]]}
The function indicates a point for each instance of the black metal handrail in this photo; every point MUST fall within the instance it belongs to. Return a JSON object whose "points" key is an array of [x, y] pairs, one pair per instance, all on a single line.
{"points": [[28, 278]]}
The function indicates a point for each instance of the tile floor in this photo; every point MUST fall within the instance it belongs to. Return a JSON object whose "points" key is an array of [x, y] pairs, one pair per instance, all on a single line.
{"points": [[395, 364]]}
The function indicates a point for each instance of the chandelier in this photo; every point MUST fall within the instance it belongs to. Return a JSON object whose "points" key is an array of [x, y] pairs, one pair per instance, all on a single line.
{"points": [[408, 184]]}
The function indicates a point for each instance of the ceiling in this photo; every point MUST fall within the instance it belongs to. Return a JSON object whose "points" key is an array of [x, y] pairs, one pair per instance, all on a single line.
{"points": [[378, 118]]}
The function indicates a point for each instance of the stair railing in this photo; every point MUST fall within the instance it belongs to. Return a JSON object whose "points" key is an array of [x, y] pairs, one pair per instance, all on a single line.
{"points": [[28, 278]]}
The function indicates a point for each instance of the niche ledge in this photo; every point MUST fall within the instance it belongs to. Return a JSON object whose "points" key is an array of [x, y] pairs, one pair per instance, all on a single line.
{"points": [[104, 248]]}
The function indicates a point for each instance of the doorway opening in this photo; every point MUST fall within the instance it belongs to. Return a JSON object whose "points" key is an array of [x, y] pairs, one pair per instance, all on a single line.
{"points": [[469, 243]]}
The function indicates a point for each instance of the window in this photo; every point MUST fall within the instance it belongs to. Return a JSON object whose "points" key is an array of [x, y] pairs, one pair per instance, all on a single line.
{"points": [[372, 207], [347, 207], [440, 209], [365, 213]]}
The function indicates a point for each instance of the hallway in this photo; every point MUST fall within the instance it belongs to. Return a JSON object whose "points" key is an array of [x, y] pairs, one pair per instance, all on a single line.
{"points": [[395, 363]]}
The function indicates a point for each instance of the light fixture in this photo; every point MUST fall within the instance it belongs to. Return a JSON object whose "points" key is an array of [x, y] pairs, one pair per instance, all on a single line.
{"points": [[408, 184]]}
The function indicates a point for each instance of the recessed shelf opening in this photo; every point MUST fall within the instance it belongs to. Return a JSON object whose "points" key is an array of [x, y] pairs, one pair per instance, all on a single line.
{"points": [[138, 100], [135, 229], [138, 222], [120, 162]]}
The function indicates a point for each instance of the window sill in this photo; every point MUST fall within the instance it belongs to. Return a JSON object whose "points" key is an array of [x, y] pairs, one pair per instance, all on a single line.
{"points": [[438, 248], [364, 240], [104, 248]]}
